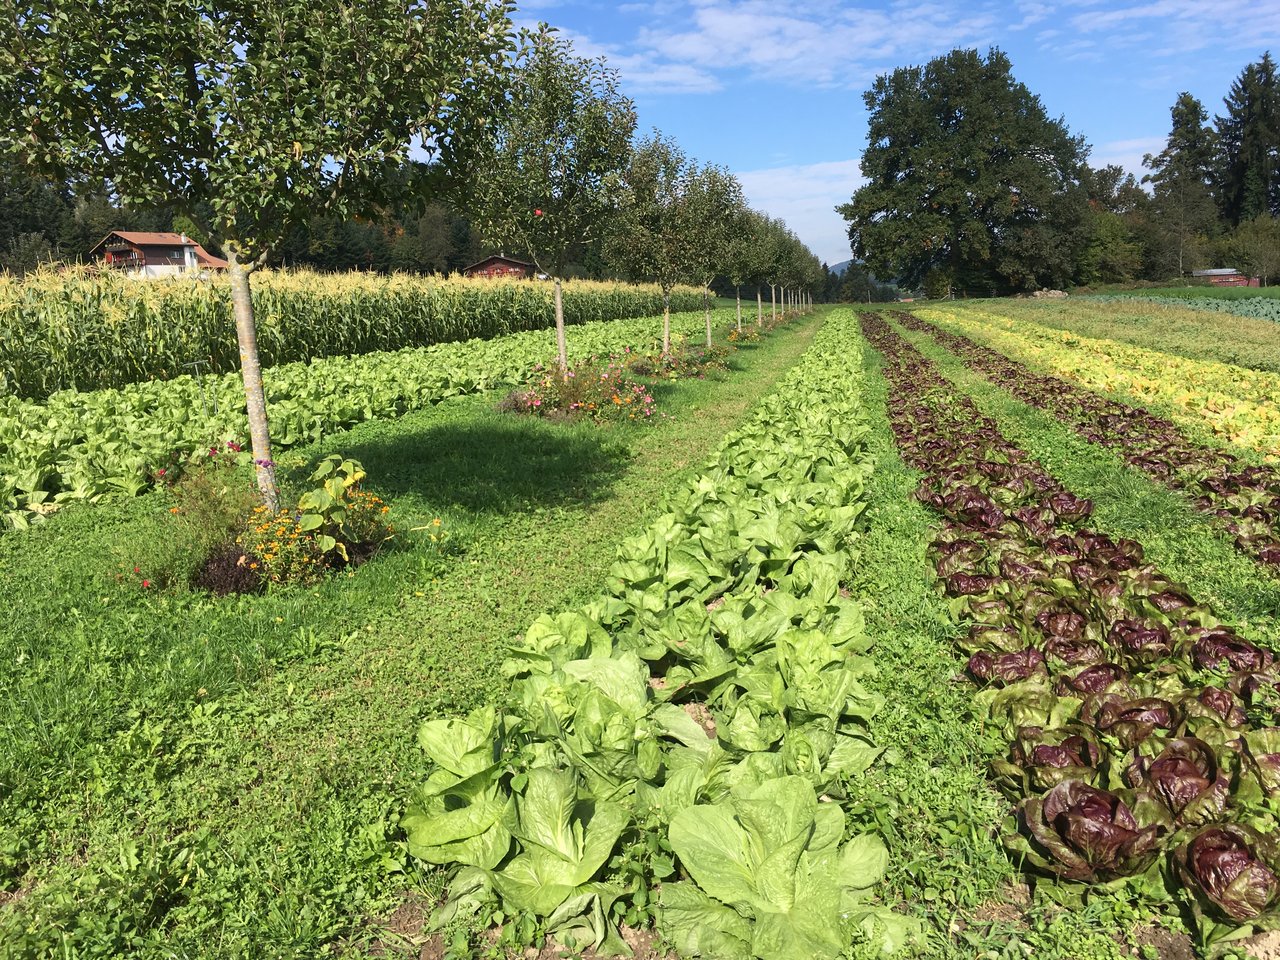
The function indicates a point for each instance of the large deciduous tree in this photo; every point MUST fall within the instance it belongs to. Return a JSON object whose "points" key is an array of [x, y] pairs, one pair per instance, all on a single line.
{"points": [[245, 117], [968, 178], [544, 173]]}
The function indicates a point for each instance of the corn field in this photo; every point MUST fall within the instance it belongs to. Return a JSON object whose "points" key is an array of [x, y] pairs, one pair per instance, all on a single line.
{"points": [[81, 330]]}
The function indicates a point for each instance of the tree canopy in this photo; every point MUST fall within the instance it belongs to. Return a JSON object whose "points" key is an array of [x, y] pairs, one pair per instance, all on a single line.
{"points": [[1249, 145], [967, 178], [245, 118], [542, 172]]}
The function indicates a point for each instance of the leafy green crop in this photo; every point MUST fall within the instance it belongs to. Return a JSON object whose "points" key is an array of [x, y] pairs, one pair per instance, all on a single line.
{"points": [[86, 447], [719, 675], [1259, 306], [772, 875]]}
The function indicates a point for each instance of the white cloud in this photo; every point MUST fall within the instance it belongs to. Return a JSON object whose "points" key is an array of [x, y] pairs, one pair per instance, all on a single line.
{"points": [[1126, 153], [823, 44], [805, 196]]}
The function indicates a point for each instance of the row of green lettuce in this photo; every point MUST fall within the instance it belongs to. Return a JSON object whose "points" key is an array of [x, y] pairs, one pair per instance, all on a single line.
{"points": [[1259, 307], [86, 447], [677, 752]]}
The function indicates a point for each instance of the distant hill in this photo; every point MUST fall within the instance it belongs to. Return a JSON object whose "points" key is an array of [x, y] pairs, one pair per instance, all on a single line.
{"points": [[841, 267]]}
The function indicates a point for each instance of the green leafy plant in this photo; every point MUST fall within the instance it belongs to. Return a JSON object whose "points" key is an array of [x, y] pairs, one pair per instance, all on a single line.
{"points": [[772, 876]]}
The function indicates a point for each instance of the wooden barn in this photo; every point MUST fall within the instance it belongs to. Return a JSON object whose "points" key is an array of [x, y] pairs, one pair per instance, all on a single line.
{"points": [[499, 266], [1225, 277], [147, 254]]}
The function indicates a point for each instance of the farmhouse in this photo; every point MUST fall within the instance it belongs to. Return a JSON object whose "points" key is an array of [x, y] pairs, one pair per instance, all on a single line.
{"points": [[1225, 277], [499, 266], [146, 254]]}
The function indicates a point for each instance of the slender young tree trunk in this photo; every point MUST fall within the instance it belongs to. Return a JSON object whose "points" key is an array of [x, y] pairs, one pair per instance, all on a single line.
{"points": [[251, 373], [666, 321], [773, 301], [759, 308], [706, 309], [562, 345], [738, 292]]}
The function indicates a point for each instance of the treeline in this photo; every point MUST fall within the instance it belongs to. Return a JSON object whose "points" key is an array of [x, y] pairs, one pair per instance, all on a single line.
{"points": [[973, 189], [42, 221]]}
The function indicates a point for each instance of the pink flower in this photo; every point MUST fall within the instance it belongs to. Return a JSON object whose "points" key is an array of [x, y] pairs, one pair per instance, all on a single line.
{"points": [[146, 583]]}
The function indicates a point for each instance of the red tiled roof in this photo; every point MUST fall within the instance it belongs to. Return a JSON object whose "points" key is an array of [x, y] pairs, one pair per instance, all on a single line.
{"points": [[207, 259], [148, 239], [498, 258]]}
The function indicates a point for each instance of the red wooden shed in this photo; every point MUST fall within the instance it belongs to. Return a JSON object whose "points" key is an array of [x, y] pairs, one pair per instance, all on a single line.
{"points": [[499, 266]]}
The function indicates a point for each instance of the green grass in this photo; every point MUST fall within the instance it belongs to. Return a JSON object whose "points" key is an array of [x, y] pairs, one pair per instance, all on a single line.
{"points": [[1183, 542], [189, 777], [931, 797]]}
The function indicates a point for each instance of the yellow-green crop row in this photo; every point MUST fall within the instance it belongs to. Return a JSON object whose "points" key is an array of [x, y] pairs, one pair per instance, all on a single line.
{"points": [[91, 446], [1230, 405], [1164, 327], [81, 330]]}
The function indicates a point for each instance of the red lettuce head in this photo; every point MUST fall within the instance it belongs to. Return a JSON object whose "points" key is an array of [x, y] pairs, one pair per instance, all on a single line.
{"points": [[1227, 867], [1076, 652], [1040, 759], [1129, 721], [1222, 649], [1184, 778], [1098, 678], [1007, 668], [1141, 641], [1082, 833]]}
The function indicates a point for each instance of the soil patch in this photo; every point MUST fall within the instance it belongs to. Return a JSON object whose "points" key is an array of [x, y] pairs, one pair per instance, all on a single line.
{"points": [[1168, 945], [1265, 946]]}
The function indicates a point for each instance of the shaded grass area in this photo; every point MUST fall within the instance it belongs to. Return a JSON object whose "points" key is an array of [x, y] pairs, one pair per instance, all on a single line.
{"points": [[1195, 334], [931, 797], [1184, 543], [189, 777]]}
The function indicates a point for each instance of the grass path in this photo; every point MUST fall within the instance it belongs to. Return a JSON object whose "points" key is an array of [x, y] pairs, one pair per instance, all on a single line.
{"points": [[245, 803]]}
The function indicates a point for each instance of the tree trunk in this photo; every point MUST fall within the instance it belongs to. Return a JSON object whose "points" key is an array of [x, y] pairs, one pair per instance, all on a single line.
{"points": [[738, 293], [251, 372], [773, 301], [666, 321], [706, 309], [562, 345], [759, 308]]}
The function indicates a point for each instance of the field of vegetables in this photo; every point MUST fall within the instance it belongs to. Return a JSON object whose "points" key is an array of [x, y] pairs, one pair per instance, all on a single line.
{"points": [[942, 633], [1240, 302], [88, 446]]}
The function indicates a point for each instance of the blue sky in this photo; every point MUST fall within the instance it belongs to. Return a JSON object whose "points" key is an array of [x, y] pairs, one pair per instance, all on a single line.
{"points": [[773, 91]]}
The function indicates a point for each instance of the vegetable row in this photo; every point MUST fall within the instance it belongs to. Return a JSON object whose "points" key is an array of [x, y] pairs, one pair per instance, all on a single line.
{"points": [[1262, 307], [1141, 740], [676, 752], [1245, 498], [84, 447], [1234, 405], [83, 330]]}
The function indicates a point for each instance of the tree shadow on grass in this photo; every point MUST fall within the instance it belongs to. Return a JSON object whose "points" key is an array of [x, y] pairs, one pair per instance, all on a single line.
{"points": [[494, 463]]}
